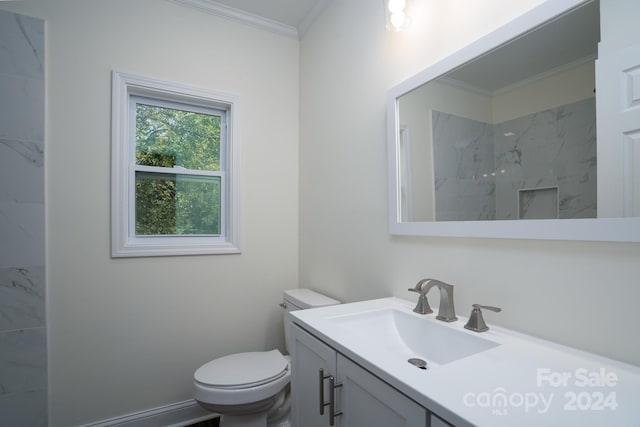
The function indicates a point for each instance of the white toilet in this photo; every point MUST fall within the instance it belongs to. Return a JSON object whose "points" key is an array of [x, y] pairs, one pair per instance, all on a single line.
{"points": [[252, 389]]}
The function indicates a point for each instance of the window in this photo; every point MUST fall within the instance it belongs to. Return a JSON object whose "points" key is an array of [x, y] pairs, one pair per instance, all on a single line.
{"points": [[174, 169]]}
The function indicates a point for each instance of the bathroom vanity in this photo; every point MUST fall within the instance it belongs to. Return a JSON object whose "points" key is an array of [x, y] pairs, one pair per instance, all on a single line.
{"points": [[361, 364], [321, 371]]}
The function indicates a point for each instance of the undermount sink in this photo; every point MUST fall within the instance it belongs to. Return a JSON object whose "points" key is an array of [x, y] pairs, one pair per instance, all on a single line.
{"points": [[411, 335]]}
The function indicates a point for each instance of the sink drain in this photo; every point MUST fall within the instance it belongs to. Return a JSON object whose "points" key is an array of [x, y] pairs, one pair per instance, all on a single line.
{"points": [[418, 363]]}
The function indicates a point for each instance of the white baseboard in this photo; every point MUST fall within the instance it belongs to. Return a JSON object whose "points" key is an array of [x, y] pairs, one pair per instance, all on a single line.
{"points": [[177, 414]]}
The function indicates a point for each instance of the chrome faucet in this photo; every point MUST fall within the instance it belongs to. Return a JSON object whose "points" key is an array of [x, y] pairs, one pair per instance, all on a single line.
{"points": [[446, 311]]}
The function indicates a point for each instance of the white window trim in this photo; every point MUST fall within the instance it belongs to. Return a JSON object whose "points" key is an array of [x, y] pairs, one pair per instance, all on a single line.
{"points": [[123, 242]]}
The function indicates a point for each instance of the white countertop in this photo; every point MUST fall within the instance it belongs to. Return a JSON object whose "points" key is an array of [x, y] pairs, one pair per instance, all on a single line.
{"points": [[524, 381]]}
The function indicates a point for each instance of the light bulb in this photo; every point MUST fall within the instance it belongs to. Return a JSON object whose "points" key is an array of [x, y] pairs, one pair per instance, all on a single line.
{"points": [[397, 6], [398, 20], [397, 14]]}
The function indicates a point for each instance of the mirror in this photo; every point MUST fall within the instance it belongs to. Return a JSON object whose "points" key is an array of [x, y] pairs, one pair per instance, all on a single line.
{"points": [[499, 139]]}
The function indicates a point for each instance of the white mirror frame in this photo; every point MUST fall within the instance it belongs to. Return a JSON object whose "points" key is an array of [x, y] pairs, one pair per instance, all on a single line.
{"points": [[594, 229]]}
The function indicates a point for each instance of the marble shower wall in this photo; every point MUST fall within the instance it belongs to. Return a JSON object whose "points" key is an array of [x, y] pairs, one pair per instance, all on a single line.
{"points": [[480, 168], [551, 148], [463, 156], [23, 329]]}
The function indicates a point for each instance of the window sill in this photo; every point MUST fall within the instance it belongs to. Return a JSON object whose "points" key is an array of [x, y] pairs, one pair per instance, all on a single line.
{"points": [[172, 246]]}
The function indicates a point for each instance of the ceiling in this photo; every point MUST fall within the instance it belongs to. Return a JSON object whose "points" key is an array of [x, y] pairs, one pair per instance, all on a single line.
{"points": [[566, 40]]}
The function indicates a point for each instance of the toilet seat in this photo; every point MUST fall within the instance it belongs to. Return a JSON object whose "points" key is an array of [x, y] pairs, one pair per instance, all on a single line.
{"points": [[241, 378], [242, 370]]}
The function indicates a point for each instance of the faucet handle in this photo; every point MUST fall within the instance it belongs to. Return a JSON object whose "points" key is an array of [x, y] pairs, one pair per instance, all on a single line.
{"points": [[422, 307], [487, 307], [476, 322]]}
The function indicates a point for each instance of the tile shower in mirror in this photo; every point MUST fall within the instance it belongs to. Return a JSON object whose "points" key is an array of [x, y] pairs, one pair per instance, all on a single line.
{"points": [[481, 168]]}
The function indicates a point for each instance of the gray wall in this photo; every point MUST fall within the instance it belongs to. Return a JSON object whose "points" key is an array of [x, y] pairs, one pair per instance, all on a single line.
{"points": [[23, 329]]}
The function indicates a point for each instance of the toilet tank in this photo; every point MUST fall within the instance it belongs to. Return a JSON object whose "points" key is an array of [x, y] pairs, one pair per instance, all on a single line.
{"points": [[301, 299]]}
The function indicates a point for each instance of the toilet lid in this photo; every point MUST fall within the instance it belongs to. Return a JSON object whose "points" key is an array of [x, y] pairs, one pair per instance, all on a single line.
{"points": [[243, 370]]}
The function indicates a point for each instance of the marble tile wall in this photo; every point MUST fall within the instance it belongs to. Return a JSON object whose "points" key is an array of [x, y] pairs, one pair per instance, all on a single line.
{"points": [[463, 156], [479, 167], [23, 328], [554, 147]]}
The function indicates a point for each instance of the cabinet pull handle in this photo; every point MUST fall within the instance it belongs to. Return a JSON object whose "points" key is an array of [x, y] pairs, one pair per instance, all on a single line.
{"points": [[321, 378], [332, 401]]}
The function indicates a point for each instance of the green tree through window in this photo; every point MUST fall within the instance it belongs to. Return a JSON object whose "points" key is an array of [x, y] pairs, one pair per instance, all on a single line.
{"points": [[177, 154]]}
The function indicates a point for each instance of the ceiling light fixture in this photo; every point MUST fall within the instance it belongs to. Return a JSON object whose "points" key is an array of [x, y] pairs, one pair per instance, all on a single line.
{"points": [[396, 14]]}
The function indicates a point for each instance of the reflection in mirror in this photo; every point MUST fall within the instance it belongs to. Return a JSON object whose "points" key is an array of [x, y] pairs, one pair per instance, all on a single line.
{"points": [[509, 135]]}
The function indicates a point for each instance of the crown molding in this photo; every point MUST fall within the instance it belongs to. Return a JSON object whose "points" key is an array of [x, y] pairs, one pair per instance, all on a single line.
{"points": [[529, 80], [549, 73], [465, 86], [224, 11]]}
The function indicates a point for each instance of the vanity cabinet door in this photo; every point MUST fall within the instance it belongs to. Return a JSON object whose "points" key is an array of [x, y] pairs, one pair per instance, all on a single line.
{"points": [[308, 356], [367, 401], [438, 422]]}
